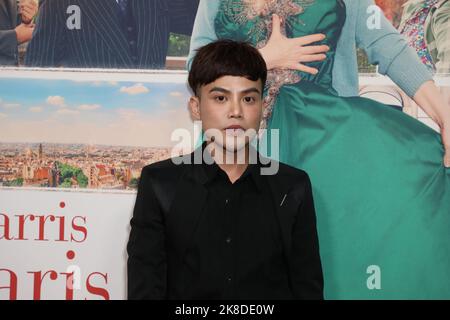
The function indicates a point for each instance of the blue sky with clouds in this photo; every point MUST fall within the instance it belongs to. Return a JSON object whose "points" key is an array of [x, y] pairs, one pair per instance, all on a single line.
{"points": [[32, 92], [68, 111]]}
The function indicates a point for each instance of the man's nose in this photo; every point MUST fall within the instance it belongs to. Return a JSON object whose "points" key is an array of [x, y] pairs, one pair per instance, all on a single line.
{"points": [[236, 110]]}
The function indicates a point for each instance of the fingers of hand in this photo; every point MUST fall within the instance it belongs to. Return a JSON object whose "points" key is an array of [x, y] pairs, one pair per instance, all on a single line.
{"points": [[447, 154], [27, 13], [447, 160], [276, 24], [312, 57], [306, 40], [314, 49], [306, 69]]}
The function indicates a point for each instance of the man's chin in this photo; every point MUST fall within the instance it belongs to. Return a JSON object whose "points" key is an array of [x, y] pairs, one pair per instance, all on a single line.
{"points": [[233, 144], [227, 146], [235, 148]]}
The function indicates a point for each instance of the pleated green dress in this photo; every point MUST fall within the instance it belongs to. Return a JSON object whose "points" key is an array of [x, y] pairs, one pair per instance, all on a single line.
{"points": [[381, 192]]}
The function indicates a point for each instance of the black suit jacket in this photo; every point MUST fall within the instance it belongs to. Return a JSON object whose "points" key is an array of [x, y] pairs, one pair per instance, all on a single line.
{"points": [[169, 202], [101, 43], [8, 38]]}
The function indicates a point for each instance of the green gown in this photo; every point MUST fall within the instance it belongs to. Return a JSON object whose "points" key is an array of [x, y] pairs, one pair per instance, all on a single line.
{"points": [[381, 192]]}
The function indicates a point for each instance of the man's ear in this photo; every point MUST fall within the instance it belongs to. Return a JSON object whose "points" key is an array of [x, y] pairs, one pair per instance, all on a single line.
{"points": [[194, 107]]}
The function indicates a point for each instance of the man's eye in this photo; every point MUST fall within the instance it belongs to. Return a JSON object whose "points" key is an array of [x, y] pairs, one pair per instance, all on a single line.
{"points": [[249, 99], [220, 98]]}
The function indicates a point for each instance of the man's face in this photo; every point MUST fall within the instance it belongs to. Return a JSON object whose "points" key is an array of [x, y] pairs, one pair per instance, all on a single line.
{"points": [[230, 109]]}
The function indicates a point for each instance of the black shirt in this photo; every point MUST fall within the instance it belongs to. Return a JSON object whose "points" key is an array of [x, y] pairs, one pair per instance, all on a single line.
{"points": [[236, 251]]}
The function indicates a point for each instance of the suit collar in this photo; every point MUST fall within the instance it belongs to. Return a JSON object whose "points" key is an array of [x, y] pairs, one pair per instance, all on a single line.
{"points": [[206, 170]]}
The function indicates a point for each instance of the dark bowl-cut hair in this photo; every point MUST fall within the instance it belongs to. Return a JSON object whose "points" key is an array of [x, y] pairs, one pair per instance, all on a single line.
{"points": [[226, 58]]}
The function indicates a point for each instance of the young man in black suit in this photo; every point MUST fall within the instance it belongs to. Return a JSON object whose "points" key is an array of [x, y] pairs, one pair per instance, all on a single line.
{"points": [[211, 226], [124, 34]]}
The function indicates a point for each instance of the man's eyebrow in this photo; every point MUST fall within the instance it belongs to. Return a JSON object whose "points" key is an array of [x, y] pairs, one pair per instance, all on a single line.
{"points": [[250, 90], [219, 89]]}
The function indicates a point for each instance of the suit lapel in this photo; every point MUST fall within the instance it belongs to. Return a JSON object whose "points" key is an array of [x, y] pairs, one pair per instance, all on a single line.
{"points": [[286, 206], [103, 16], [188, 203], [188, 206]]}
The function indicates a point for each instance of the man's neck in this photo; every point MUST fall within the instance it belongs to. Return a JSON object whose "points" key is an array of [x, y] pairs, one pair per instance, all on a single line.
{"points": [[233, 171], [233, 164]]}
